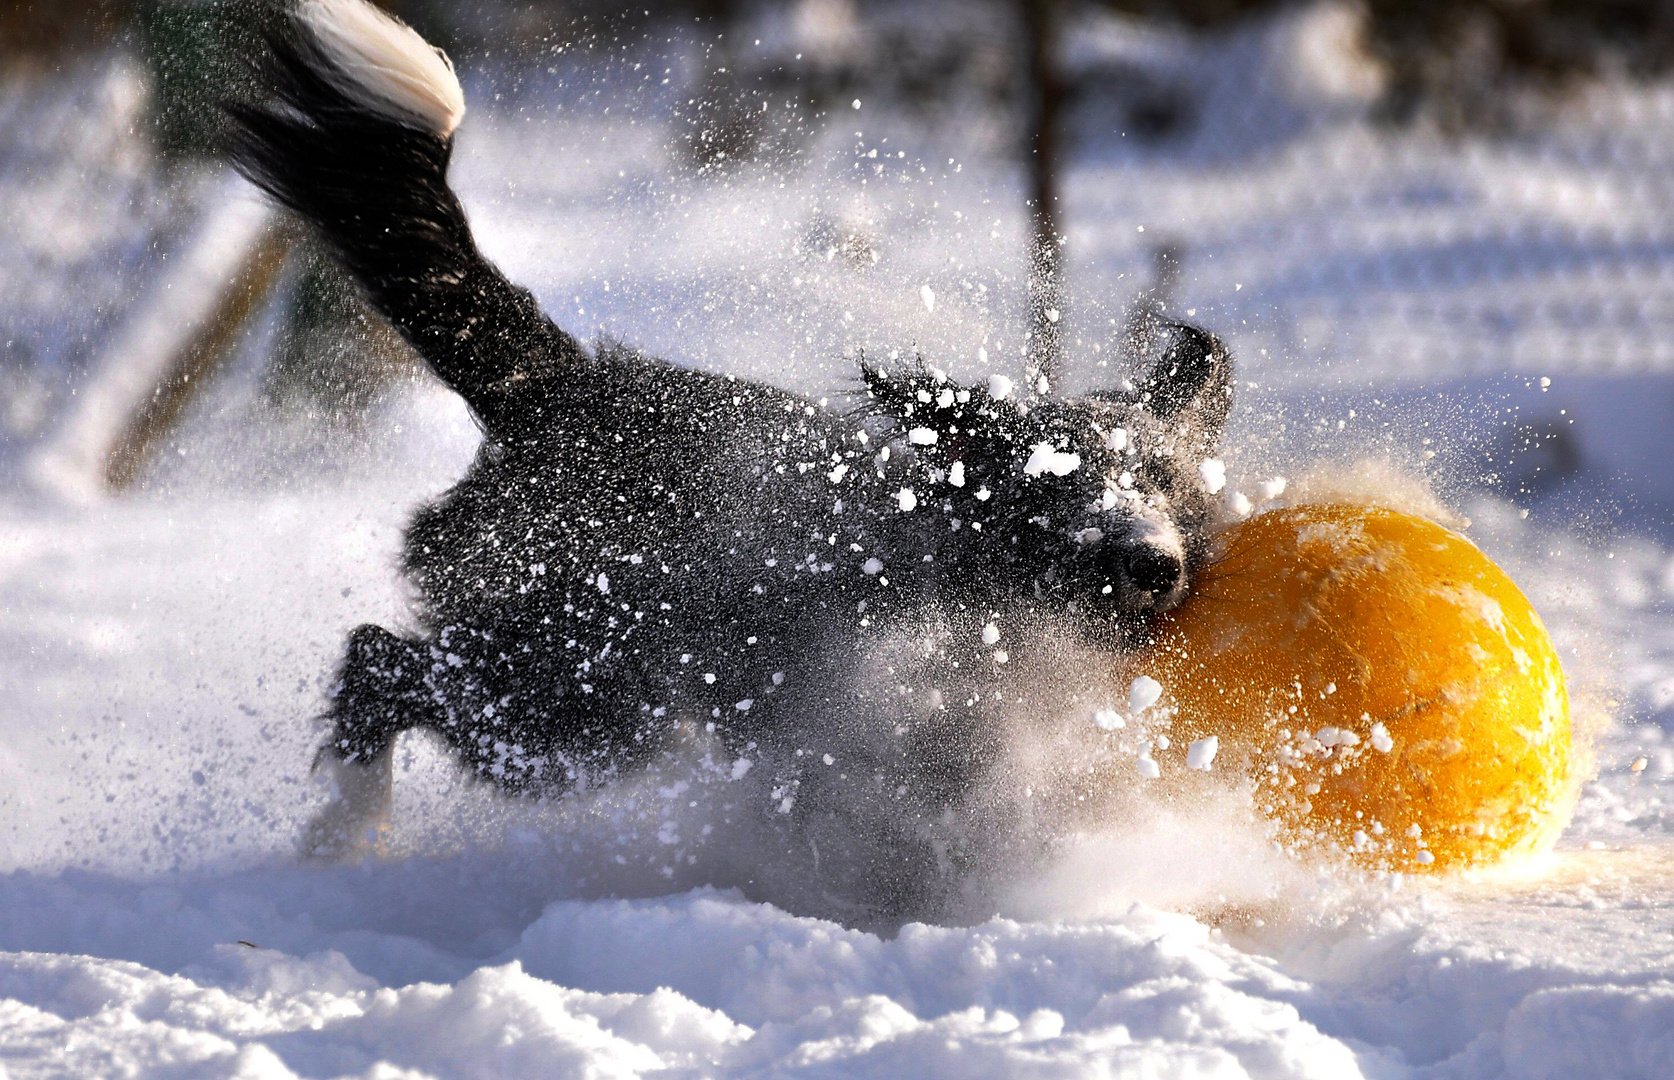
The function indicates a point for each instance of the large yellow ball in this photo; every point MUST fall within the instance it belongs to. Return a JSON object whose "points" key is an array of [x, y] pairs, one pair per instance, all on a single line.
{"points": [[1385, 685]]}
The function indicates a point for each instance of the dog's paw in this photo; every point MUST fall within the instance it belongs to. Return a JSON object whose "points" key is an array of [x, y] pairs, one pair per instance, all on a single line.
{"points": [[355, 824]]}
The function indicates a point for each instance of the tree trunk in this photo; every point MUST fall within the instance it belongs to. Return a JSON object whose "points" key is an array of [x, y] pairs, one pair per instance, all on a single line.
{"points": [[1041, 19]]}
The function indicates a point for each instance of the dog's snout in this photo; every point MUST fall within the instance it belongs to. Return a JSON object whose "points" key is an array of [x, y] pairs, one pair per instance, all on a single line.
{"points": [[1153, 569]]}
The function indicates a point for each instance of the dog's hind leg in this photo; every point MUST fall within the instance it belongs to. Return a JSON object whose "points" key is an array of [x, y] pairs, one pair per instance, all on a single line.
{"points": [[381, 694]]}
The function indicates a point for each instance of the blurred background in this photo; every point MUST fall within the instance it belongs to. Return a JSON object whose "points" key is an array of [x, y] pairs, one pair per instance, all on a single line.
{"points": [[1454, 210], [1438, 237]]}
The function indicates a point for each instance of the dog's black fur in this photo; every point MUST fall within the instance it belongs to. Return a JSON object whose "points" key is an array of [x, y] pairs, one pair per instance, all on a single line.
{"points": [[641, 550]]}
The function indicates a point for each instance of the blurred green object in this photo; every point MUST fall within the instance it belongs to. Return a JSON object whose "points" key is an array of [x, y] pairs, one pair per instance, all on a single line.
{"points": [[198, 56]]}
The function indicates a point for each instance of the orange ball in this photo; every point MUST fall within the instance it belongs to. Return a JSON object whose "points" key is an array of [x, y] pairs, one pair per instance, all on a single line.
{"points": [[1387, 689]]}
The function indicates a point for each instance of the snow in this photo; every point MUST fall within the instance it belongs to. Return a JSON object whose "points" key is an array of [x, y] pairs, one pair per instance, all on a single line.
{"points": [[1046, 458], [161, 654], [1200, 753], [749, 987], [1144, 693], [1213, 472], [121, 921], [1109, 720]]}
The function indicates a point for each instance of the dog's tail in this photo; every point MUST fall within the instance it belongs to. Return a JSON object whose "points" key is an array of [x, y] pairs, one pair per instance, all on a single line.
{"points": [[356, 138]]}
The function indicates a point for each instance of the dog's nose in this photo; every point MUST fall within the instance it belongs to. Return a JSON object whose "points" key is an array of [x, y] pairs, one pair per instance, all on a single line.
{"points": [[1153, 569]]}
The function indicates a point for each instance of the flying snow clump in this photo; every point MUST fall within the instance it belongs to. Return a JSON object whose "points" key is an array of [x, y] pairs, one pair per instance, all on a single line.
{"points": [[1144, 693], [1201, 753], [1046, 458]]}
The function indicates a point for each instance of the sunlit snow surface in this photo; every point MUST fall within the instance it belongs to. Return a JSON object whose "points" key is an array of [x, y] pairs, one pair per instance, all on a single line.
{"points": [[161, 655]]}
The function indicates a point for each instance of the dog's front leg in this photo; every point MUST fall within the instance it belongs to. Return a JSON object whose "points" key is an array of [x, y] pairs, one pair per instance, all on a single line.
{"points": [[382, 692], [356, 822]]}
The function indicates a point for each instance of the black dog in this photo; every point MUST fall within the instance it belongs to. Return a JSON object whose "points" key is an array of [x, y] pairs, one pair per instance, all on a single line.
{"points": [[642, 552]]}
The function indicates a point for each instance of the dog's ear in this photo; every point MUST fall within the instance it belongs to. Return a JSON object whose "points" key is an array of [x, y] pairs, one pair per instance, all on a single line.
{"points": [[1192, 381]]}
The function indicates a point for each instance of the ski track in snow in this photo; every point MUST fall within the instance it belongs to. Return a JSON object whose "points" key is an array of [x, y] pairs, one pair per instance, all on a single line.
{"points": [[160, 655]]}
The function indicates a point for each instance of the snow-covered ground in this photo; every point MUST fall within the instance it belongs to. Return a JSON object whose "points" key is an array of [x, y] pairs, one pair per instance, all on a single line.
{"points": [[1393, 295]]}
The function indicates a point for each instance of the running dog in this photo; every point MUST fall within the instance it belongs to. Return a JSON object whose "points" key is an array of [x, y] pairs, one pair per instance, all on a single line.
{"points": [[643, 553]]}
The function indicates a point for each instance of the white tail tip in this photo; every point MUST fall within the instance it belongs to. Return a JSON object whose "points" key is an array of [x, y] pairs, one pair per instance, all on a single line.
{"points": [[384, 64]]}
